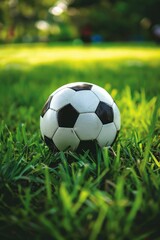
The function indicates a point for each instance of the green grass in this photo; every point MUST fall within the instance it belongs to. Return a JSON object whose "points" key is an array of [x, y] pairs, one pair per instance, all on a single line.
{"points": [[115, 195]]}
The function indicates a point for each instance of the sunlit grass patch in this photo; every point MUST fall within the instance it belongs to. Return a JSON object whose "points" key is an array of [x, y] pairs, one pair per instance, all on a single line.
{"points": [[38, 54]]}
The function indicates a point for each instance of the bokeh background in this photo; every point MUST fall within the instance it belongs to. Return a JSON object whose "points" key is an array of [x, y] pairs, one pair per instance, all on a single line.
{"points": [[80, 20]]}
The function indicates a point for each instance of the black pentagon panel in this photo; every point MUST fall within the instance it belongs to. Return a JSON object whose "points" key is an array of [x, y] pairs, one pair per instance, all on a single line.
{"points": [[67, 116], [50, 144], [85, 145], [80, 87], [104, 112], [46, 106]]}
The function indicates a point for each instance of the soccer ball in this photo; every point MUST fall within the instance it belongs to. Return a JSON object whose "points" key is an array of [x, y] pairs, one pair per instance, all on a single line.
{"points": [[79, 116]]}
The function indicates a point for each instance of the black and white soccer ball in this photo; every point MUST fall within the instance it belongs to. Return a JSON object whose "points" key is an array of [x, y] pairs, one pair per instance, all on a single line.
{"points": [[79, 116]]}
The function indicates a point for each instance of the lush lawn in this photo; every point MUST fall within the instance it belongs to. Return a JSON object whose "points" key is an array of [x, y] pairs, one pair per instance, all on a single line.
{"points": [[69, 196]]}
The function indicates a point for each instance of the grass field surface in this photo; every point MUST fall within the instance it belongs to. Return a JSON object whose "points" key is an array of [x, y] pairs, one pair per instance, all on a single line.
{"points": [[113, 196]]}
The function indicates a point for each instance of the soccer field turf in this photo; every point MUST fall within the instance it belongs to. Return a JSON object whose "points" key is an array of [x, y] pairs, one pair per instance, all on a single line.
{"points": [[71, 196]]}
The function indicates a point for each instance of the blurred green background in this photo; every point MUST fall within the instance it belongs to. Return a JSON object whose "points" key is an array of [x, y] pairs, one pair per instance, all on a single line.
{"points": [[77, 21]]}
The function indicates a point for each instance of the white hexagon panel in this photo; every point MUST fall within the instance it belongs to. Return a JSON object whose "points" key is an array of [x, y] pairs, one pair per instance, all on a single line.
{"points": [[60, 137], [107, 135], [61, 98], [117, 116], [102, 94], [48, 123], [88, 126], [84, 101]]}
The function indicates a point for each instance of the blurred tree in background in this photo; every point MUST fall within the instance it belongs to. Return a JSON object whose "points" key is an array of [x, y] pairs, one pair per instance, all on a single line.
{"points": [[88, 20]]}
